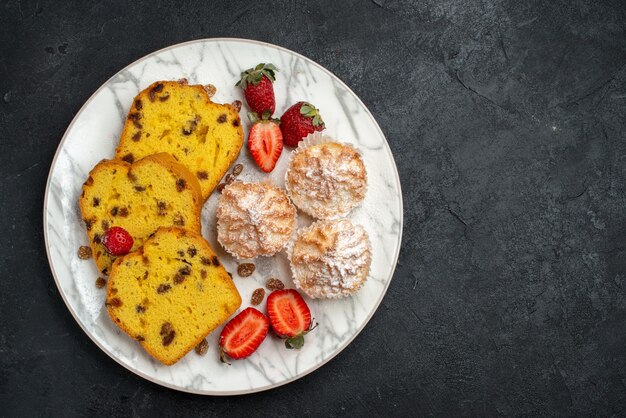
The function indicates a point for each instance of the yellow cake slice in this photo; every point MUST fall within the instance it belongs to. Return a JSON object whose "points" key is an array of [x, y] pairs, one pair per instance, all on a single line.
{"points": [[140, 197], [171, 293], [181, 119]]}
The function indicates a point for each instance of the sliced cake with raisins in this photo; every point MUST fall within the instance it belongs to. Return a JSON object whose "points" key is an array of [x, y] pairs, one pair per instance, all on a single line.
{"points": [[140, 197], [170, 293], [181, 119]]}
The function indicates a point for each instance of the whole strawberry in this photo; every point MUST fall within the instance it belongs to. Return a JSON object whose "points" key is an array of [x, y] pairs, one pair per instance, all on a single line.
{"points": [[298, 121], [117, 241], [258, 89]]}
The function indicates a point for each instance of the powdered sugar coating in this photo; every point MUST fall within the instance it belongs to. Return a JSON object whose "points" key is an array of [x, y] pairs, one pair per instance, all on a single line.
{"points": [[254, 219], [326, 180], [331, 258]]}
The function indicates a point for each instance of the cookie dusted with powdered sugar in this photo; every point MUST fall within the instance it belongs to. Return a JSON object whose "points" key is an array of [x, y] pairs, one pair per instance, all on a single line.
{"points": [[330, 259], [326, 180], [254, 219]]}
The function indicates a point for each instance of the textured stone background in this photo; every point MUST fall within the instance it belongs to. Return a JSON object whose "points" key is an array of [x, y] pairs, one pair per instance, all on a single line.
{"points": [[507, 120]]}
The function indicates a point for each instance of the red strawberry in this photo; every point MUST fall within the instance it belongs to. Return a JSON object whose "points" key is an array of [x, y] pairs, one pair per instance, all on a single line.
{"points": [[290, 316], [298, 121], [265, 141], [117, 241], [243, 334], [257, 88]]}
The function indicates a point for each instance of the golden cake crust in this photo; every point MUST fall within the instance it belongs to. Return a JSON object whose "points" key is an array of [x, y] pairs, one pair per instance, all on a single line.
{"points": [[170, 293], [181, 119], [254, 219], [140, 197]]}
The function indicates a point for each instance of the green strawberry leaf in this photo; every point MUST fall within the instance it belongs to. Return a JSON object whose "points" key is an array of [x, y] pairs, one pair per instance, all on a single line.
{"points": [[306, 109], [269, 71], [270, 75], [295, 342], [255, 75], [298, 341], [253, 117]]}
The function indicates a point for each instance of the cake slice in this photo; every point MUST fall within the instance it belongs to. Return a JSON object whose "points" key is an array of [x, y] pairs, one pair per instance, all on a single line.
{"points": [[140, 197], [181, 119], [171, 293]]}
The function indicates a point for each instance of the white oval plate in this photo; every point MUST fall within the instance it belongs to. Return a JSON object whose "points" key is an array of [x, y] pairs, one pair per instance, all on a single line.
{"points": [[93, 135]]}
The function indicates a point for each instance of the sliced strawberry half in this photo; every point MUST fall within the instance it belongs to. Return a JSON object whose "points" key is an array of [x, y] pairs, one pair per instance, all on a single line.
{"points": [[290, 316], [243, 334], [265, 141]]}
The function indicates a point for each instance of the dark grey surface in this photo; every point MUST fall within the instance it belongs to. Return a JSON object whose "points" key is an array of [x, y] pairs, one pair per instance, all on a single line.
{"points": [[507, 120]]}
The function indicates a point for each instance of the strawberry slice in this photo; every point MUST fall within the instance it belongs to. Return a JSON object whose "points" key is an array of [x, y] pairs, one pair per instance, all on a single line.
{"points": [[265, 141], [290, 316], [243, 334]]}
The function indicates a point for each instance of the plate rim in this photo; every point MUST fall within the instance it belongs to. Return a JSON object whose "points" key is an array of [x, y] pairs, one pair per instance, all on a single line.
{"points": [[140, 373]]}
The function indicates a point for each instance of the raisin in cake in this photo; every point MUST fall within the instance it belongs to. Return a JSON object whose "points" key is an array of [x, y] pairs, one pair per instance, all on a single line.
{"points": [[181, 119], [140, 197], [171, 293]]}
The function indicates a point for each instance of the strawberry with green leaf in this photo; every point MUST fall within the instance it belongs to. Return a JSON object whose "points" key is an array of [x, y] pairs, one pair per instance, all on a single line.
{"points": [[298, 121], [258, 89], [289, 316]]}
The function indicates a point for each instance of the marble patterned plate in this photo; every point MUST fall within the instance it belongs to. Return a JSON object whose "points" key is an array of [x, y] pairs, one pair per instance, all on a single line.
{"points": [[93, 135]]}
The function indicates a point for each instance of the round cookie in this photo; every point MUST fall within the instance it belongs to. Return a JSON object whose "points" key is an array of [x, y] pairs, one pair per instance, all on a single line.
{"points": [[326, 180], [330, 259], [254, 219]]}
